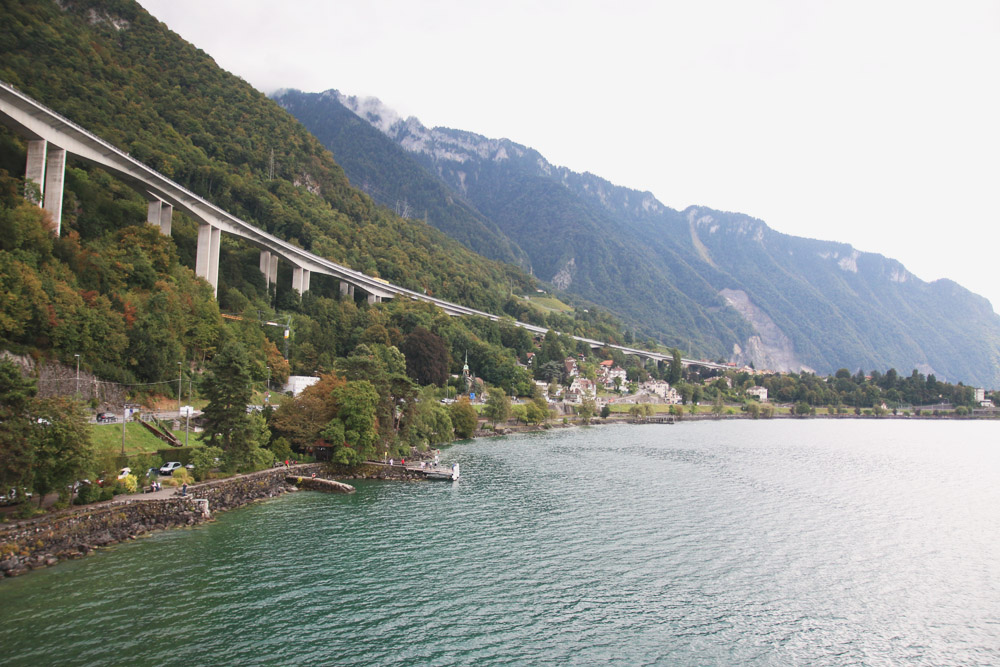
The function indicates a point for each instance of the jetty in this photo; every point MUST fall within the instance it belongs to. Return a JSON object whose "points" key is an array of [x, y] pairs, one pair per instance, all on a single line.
{"points": [[435, 471]]}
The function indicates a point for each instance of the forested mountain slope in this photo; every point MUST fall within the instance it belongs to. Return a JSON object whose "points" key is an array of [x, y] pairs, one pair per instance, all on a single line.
{"points": [[125, 299], [715, 283], [117, 71]]}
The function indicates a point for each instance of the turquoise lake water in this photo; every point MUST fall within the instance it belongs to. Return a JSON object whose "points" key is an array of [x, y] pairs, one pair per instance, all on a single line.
{"points": [[714, 543]]}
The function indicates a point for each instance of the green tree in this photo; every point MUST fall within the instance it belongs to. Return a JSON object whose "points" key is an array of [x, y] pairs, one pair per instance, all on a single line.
{"points": [[537, 410], [587, 410], [228, 386], [676, 369], [204, 459], [497, 408], [385, 368], [16, 444], [429, 421], [717, 405], [63, 448], [605, 411], [353, 433], [464, 418]]}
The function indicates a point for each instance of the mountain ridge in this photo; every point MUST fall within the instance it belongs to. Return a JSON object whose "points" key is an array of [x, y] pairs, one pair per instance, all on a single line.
{"points": [[668, 272]]}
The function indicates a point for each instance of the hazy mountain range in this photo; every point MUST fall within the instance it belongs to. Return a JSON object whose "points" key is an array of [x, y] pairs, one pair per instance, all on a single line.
{"points": [[713, 283]]}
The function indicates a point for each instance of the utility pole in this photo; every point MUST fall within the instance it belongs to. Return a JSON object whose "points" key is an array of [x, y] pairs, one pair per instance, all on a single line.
{"points": [[124, 407], [180, 379]]}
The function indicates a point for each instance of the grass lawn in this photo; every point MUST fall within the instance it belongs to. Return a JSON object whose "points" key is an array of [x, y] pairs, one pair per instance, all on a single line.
{"points": [[657, 407], [137, 439], [547, 303]]}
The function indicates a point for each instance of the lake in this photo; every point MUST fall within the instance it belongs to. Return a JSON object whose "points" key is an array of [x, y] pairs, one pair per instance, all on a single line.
{"points": [[813, 542]]}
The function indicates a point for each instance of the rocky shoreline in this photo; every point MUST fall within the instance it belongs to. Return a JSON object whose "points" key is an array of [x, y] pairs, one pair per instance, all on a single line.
{"points": [[74, 533]]}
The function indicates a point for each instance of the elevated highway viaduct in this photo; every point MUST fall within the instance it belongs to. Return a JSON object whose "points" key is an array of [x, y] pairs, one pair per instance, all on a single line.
{"points": [[52, 137]]}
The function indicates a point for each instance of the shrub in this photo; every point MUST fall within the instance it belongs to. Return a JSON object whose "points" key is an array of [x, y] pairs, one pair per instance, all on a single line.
{"points": [[87, 493], [178, 477], [131, 483]]}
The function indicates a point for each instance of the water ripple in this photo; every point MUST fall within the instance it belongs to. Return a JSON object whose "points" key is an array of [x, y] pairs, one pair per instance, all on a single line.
{"points": [[821, 543]]}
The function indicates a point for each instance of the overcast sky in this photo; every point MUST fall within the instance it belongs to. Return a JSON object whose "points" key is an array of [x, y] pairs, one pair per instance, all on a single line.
{"points": [[867, 122]]}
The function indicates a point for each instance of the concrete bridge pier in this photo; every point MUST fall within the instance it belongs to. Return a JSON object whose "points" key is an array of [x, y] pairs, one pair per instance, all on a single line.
{"points": [[161, 214], [300, 279], [207, 257], [46, 167], [269, 267], [346, 289]]}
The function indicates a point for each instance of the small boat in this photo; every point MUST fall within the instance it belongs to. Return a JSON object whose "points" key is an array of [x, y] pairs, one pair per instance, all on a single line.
{"points": [[440, 472]]}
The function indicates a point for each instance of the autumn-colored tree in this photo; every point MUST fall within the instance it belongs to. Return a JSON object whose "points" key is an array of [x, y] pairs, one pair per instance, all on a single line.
{"points": [[303, 419]]}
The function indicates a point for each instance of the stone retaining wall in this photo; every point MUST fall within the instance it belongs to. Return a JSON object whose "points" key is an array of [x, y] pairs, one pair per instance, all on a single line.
{"points": [[373, 471], [74, 533]]}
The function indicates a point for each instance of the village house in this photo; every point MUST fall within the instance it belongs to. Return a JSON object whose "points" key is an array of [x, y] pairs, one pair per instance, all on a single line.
{"points": [[981, 398], [662, 389], [580, 389], [607, 372], [569, 363], [759, 392]]}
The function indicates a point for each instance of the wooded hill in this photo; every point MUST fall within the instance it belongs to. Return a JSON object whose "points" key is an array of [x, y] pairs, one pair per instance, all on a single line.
{"points": [[712, 283], [125, 299]]}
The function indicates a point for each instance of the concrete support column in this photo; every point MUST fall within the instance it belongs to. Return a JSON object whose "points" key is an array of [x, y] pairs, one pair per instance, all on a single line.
{"points": [[213, 267], [265, 266], [272, 276], [55, 176], [207, 258], [166, 218], [343, 288], [35, 169], [300, 280], [161, 214], [373, 299]]}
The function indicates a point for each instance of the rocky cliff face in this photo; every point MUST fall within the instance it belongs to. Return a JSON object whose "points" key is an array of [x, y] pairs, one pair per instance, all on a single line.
{"points": [[769, 348]]}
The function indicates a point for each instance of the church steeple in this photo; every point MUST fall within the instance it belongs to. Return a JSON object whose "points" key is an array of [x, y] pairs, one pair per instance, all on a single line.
{"points": [[466, 375]]}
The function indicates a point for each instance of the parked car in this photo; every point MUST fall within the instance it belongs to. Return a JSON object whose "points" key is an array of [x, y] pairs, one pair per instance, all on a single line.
{"points": [[170, 467], [15, 496], [106, 418]]}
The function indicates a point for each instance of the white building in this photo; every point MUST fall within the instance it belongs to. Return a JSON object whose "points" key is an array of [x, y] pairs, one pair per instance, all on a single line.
{"points": [[580, 389], [296, 383], [759, 392]]}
